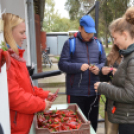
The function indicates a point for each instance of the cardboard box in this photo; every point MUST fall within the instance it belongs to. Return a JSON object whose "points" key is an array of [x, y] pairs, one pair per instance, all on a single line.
{"points": [[84, 129]]}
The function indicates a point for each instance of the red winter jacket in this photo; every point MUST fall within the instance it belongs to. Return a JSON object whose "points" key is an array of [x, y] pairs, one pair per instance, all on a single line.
{"points": [[25, 100]]}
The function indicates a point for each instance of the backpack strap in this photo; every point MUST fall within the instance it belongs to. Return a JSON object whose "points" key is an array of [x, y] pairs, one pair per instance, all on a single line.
{"points": [[99, 45], [100, 48], [72, 43]]}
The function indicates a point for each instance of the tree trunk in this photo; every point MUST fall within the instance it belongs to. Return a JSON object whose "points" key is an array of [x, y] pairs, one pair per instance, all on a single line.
{"points": [[106, 40]]}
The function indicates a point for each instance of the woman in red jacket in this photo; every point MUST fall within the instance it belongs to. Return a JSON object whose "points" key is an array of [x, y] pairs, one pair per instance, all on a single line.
{"points": [[24, 98]]}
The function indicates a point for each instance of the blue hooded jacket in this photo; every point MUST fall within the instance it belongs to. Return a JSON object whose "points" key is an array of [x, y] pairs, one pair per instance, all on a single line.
{"points": [[79, 83]]}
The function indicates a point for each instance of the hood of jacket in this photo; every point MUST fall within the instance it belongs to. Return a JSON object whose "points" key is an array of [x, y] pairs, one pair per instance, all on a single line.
{"points": [[16, 56]]}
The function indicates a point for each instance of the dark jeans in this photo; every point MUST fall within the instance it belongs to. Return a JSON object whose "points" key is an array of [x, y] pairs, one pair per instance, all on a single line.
{"points": [[84, 103], [1, 130], [126, 128]]}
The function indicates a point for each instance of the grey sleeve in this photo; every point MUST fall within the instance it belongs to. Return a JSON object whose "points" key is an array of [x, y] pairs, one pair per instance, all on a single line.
{"points": [[121, 94]]}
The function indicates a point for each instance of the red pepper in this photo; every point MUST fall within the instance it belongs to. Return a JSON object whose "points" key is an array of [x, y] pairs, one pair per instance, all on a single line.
{"points": [[92, 65], [65, 127], [53, 97], [73, 124], [56, 92], [57, 119], [55, 125], [60, 112], [65, 118], [41, 118]]}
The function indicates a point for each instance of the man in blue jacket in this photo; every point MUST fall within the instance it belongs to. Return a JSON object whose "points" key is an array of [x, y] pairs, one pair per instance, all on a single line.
{"points": [[81, 76]]}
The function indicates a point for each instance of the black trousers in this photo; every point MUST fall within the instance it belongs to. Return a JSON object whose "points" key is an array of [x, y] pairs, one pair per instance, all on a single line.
{"points": [[1, 130], [126, 128], [84, 103]]}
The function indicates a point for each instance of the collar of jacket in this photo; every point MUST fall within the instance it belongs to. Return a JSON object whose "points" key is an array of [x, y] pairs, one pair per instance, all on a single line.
{"points": [[17, 57], [128, 51], [80, 37], [17, 46]]}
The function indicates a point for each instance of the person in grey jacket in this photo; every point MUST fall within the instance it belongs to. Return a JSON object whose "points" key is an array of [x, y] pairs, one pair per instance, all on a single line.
{"points": [[120, 92], [106, 74]]}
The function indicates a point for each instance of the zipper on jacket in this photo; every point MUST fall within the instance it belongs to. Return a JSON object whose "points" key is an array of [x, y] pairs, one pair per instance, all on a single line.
{"points": [[89, 72], [15, 118]]}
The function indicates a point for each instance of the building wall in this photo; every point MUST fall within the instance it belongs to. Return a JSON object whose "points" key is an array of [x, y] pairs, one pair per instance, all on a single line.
{"points": [[55, 42]]}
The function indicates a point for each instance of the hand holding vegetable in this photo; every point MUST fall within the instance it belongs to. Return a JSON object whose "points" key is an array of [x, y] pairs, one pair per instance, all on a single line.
{"points": [[106, 70], [91, 65], [94, 69], [51, 97]]}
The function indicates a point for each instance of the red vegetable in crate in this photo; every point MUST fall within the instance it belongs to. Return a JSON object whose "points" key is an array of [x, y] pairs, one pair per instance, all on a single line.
{"points": [[57, 119], [60, 112], [53, 97], [41, 118], [70, 113], [73, 125], [65, 118], [55, 125], [47, 112], [60, 120], [65, 127]]}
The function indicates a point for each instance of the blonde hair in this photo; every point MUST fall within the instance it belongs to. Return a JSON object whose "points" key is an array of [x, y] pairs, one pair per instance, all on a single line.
{"points": [[126, 23], [10, 21]]}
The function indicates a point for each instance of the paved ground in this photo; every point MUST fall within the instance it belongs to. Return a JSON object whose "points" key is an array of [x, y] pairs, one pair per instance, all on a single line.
{"points": [[55, 82]]}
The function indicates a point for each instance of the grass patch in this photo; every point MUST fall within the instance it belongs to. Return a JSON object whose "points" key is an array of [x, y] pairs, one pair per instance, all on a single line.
{"points": [[57, 58], [102, 106]]}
